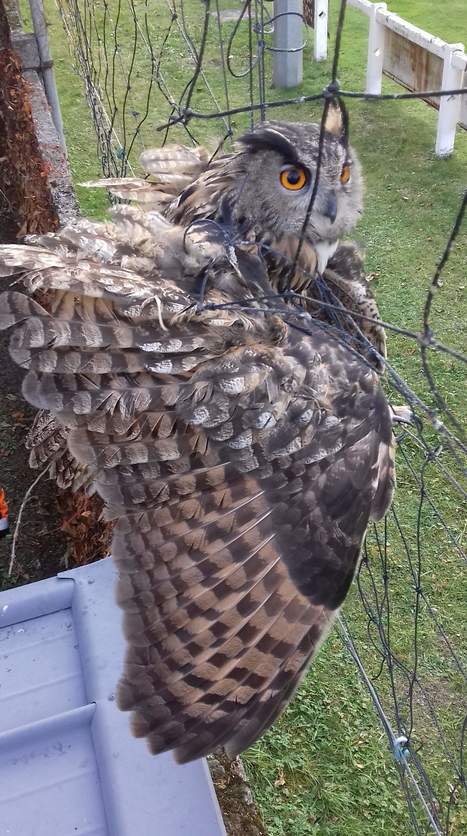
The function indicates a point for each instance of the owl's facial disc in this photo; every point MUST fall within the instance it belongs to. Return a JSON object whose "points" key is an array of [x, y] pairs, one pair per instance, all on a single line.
{"points": [[281, 163], [295, 178]]}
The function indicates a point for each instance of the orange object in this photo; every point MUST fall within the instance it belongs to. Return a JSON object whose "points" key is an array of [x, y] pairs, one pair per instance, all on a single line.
{"points": [[4, 527]]}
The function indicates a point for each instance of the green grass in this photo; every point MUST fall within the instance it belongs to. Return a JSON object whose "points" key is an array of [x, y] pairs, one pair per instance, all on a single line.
{"points": [[446, 20], [324, 768]]}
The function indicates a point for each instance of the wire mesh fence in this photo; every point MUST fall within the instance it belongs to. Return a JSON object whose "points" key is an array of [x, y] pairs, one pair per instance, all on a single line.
{"points": [[148, 73]]}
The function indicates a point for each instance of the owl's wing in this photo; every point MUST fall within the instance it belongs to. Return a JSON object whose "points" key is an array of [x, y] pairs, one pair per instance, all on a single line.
{"points": [[346, 278], [241, 460], [169, 171], [47, 443]]}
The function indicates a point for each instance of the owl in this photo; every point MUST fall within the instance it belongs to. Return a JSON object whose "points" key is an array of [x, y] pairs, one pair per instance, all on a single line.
{"points": [[265, 187], [240, 453]]}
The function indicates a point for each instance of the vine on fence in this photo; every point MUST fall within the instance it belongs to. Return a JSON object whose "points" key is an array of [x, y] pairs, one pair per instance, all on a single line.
{"points": [[136, 102]]}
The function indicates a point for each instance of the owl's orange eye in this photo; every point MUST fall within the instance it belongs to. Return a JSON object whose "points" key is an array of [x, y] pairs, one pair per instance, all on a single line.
{"points": [[293, 178], [345, 174]]}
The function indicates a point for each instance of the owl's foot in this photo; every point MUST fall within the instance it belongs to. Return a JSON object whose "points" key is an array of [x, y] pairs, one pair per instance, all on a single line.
{"points": [[403, 415]]}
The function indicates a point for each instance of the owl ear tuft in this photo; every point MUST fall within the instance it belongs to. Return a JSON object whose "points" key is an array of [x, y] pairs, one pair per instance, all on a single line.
{"points": [[334, 123], [267, 138]]}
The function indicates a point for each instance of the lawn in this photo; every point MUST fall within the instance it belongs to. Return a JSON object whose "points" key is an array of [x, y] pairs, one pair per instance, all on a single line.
{"points": [[324, 768]]}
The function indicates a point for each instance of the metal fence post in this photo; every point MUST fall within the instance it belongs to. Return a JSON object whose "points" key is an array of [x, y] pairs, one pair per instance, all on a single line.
{"points": [[375, 58], [321, 18], [288, 39], [40, 31], [449, 106]]}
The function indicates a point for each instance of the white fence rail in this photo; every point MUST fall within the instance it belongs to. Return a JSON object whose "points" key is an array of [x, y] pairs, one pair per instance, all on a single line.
{"points": [[418, 61], [413, 58], [321, 30]]}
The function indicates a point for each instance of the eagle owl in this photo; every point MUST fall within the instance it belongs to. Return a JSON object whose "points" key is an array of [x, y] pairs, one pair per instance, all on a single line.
{"points": [[240, 454]]}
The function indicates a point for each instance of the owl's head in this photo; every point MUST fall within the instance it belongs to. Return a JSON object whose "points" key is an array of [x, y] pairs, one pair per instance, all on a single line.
{"points": [[278, 170]]}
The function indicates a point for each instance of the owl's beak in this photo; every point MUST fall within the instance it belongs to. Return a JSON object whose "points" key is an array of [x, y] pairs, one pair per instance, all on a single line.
{"points": [[330, 210]]}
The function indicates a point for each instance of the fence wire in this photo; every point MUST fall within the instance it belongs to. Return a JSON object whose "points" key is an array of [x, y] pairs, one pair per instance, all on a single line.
{"points": [[148, 70]]}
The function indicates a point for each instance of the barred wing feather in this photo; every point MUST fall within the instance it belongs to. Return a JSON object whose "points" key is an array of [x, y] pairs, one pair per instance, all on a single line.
{"points": [[240, 458]]}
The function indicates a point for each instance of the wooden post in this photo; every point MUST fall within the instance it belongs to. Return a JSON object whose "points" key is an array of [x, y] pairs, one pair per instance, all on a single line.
{"points": [[288, 40], [375, 58], [449, 106], [321, 17]]}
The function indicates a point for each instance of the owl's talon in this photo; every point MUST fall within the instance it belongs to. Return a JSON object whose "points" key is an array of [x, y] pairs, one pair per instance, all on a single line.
{"points": [[403, 414]]}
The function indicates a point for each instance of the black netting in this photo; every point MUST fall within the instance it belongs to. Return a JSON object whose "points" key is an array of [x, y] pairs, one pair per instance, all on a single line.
{"points": [[137, 100]]}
